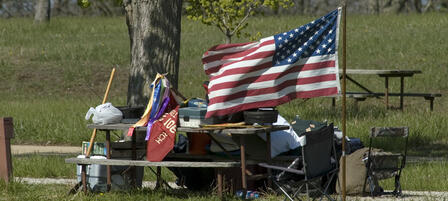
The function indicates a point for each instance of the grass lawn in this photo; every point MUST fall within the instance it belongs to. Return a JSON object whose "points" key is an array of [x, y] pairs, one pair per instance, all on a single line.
{"points": [[19, 191], [51, 74], [430, 176]]}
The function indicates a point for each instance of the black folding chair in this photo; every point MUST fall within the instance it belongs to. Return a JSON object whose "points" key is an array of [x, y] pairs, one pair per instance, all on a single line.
{"points": [[383, 165], [318, 164]]}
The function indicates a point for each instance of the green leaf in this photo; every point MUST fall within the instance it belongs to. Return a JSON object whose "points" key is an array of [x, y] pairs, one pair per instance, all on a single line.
{"points": [[84, 3]]}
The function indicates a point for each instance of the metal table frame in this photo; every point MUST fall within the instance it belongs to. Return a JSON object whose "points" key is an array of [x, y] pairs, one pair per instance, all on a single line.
{"points": [[386, 74], [241, 132]]}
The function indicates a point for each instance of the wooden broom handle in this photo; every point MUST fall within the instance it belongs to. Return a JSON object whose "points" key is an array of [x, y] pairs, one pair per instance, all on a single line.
{"points": [[108, 85], [104, 101]]}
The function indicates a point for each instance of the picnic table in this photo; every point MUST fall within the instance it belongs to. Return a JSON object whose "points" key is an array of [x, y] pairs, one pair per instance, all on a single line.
{"points": [[241, 131], [386, 74]]}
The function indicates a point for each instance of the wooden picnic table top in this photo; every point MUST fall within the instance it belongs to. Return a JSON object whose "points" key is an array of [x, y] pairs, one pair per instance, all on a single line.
{"points": [[392, 72], [248, 130]]}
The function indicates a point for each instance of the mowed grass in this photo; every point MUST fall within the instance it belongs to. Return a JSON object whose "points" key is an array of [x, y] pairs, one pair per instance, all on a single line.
{"points": [[19, 191], [429, 176], [424, 176], [51, 74], [38, 166]]}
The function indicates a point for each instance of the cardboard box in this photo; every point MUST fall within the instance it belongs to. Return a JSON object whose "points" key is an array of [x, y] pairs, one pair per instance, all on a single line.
{"points": [[98, 149]]}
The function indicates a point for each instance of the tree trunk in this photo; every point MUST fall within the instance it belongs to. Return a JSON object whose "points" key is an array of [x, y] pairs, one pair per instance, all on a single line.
{"points": [[154, 33], [57, 7], [42, 11]]}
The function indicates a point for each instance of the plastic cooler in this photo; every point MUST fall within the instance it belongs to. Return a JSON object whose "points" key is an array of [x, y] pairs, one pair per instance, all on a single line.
{"points": [[192, 116], [96, 176]]}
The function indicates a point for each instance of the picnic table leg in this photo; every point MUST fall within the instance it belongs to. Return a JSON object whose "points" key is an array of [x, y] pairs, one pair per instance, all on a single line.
{"points": [[109, 180], [268, 156], [159, 180], [387, 91], [431, 104], [358, 84], [84, 178], [158, 177], [134, 157], [355, 104], [219, 178], [243, 164], [401, 92]]}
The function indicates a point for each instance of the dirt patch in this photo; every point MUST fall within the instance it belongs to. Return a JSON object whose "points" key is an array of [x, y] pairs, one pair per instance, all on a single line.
{"points": [[31, 149], [407, 195]]}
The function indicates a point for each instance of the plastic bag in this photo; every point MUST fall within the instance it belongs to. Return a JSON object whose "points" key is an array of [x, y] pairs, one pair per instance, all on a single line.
{"points": [[105, 114]]}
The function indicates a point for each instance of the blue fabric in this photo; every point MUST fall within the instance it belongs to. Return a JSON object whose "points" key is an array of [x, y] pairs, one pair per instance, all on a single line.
{"points": [[317, 38], [156, 100]]}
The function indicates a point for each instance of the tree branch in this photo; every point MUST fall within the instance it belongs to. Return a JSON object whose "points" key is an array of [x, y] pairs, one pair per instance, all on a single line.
{"points": [[224, 23], [243, 20]]}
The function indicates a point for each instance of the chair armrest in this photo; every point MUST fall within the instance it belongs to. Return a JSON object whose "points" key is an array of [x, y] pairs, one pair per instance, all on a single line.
{"points": [[291, 170], [386, 160]]}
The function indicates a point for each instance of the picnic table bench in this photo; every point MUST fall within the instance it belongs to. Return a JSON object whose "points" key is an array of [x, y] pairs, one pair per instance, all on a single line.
{"points": [[367, 93], [120, 162], [180, 160], [361, 96]]}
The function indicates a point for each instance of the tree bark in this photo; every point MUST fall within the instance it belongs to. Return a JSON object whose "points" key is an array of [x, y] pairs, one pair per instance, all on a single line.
{"points": [[56, 7], [42, 11], [154, 33]]}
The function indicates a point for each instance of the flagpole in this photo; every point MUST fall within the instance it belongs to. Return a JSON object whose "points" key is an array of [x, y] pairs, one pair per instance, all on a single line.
{"points": [[344, 98]]}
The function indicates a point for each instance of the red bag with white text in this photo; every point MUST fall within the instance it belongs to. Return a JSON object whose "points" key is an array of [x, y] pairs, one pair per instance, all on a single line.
{"points": [[163, 135]]}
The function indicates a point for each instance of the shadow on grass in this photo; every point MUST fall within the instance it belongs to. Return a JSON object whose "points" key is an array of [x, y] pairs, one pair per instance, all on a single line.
{"points": [[429, 150], [322, 109], [176, 194]]}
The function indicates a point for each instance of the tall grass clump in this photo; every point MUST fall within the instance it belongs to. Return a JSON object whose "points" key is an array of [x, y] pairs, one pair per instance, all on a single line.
{"points": [[426, 176]]}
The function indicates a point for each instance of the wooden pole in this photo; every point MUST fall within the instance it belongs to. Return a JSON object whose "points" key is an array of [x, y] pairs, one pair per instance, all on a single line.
{"points": [[344, 97], [104, 101], [6, 133]]}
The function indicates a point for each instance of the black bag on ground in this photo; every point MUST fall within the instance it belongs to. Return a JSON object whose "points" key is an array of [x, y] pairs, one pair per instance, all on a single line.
{"points": [[195, 179]]}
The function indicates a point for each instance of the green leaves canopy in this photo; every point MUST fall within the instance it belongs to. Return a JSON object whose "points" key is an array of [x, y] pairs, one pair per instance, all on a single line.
{"points": [[230, 16]]}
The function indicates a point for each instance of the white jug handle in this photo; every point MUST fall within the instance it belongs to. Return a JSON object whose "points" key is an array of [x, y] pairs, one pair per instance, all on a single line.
{"points": [[89, 113]]}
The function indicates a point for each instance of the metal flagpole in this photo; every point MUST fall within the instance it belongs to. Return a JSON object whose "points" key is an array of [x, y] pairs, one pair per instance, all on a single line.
{"points": [[344, 112]]}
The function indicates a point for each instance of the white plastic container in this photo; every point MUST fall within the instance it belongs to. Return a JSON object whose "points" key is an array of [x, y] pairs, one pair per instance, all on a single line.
{"points": [[96, 175]]}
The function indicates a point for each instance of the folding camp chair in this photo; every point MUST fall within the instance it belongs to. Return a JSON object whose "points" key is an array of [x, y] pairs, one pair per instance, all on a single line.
{"points": [[318, 163], [383, 165]]}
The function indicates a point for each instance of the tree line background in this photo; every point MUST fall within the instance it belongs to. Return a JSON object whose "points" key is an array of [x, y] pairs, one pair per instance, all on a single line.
{"points": [[26, 8]]}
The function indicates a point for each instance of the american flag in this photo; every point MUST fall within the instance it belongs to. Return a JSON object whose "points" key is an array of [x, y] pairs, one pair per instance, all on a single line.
{"points": [[300, 63]]}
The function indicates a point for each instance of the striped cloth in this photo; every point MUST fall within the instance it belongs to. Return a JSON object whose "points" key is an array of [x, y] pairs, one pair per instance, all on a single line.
{"points": [[300, 63]]}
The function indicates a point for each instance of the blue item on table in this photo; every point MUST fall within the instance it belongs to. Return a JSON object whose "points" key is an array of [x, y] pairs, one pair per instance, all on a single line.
{"points": [[197, 102]]}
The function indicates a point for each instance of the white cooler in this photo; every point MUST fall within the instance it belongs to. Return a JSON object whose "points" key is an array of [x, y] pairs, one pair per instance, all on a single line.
{"points": [[96, 176]]}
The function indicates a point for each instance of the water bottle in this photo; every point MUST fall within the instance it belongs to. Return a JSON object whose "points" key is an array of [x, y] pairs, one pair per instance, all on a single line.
{"points": [[252, 194], [249, 194], [239, 194]]}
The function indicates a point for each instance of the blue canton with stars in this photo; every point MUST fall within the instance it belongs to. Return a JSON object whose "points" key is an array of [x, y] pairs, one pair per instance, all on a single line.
{"points": [[316, 38]]}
